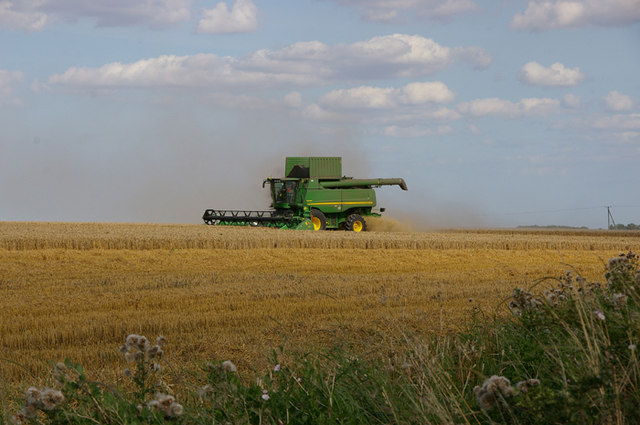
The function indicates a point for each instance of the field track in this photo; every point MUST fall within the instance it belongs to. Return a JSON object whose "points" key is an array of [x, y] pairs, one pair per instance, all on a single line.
{"points": [[77, 289]]}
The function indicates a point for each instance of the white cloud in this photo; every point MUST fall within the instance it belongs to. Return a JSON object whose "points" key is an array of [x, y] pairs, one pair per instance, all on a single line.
{"points": [[34, 15], [618, 102], [243, 17], [398, 54], [415, 131], [394, 10], [627, 136], [359, 98], [300, 64], [7, 81], [616, 122], [293, 99], [316, 113], [505, 108], [556, 75], [23, 16], [366, 97], [426, 92], [476, 56], [571, 101], [549, 14], [196, 71]]}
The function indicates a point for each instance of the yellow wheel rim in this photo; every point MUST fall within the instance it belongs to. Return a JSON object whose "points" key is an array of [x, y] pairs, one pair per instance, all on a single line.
{"points": [[317, 224], [357, 226]]}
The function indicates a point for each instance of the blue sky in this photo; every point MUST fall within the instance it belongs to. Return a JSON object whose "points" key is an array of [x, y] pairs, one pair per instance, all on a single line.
{"points": [[496, 113]]}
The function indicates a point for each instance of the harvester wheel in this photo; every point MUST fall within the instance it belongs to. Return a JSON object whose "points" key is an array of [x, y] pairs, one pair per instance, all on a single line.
{"points": [[318, 219], [355, 223]]}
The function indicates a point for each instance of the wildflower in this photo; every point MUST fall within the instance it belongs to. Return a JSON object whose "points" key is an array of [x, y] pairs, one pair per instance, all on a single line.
{"points": [[525, 386], [61, 373], [127, 373], [265, 395], [166, 404], [155, 351], [176, 410], [599, 315], [155, 367], [32, 396], [143, 343], [205, 391], [161, 340], [132, 340], [488, 394], [523, 301], [276, 368], [551, 296], [29, 411], [17, 419], [632, 347], [228, 366], [620, 300], [51, 398]]}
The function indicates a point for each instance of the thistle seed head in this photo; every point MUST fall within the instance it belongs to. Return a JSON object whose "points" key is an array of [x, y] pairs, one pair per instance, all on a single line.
{"points": [[228, 366]]}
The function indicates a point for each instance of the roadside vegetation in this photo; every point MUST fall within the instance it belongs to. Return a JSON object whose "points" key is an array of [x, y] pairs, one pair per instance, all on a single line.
{"points": [[566, 352]]}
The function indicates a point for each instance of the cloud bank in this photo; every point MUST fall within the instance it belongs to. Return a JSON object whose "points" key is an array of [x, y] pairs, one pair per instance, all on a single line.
{"points": [[299, 64], [505, 108], [34, 15], [541, 15]]}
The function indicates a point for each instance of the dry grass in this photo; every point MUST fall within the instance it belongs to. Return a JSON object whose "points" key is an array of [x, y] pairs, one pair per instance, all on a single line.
{"points": [[75, 290], [28, 236]]}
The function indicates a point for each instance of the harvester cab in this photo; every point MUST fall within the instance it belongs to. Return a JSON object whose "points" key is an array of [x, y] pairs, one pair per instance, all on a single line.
{"points": [[313, 195]]}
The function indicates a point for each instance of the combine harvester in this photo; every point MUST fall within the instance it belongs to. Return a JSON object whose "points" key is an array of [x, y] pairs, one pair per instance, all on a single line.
{"points": [[312, 196]]}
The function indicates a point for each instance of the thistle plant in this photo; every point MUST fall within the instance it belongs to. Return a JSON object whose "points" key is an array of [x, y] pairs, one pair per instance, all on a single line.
{"points": [[35, 399], [146, 367]]}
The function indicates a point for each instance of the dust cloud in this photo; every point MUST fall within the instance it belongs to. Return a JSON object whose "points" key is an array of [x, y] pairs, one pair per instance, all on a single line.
{"points": [[168, 167], [171, 164], [387, 224]]}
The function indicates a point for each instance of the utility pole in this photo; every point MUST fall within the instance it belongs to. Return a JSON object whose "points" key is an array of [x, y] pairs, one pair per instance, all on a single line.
{"points": [[611, 223]]}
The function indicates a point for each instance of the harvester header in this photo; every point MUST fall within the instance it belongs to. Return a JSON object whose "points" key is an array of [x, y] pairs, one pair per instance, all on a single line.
{"points": [[312, 195]]}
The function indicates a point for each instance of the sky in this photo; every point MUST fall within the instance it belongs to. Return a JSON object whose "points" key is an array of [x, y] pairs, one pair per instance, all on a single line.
{"points": [[496, 113]]}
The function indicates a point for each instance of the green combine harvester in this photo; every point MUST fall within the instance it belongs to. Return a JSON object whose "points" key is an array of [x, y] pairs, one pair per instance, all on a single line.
{"points": [[312, 196]]}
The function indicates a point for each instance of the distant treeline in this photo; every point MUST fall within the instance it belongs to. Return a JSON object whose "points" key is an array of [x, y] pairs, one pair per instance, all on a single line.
{"points": [[535, 226], [629, 226]]}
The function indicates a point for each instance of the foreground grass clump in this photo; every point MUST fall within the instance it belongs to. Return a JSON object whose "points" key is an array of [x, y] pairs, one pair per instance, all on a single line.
{"points": [[566, 354]]}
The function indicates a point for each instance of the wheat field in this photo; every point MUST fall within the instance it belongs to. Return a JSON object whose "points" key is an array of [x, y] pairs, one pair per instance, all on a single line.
{"points": [[75, 290]]}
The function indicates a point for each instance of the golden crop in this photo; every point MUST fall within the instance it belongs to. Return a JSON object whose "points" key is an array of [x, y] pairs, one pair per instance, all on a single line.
{"points": [[76, 290]]}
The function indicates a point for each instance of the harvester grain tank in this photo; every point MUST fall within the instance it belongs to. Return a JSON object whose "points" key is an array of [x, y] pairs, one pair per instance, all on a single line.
{"points": [[312, 195]]}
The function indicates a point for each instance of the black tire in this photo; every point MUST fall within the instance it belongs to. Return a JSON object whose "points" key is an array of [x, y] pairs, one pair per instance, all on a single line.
{"points": [[318, 216], [355, 223]]}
